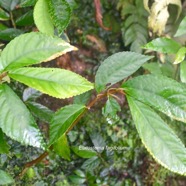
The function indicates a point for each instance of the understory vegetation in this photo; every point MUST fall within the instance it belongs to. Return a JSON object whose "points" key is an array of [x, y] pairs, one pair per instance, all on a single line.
{"points": [[92, 92]]}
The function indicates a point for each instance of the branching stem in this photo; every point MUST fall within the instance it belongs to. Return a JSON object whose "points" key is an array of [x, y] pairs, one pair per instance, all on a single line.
{"points": [[100, 96]]}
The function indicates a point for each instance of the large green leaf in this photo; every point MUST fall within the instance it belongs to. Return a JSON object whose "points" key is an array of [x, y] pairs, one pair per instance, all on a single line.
{"points": [[60, 12], [32, 48], [164, 45], [63, 120], [158, 137], [4, 147], [58, 83], [182, 28], [15, 119], [9, 4], [5, 178], [160, 92], [61, 147], [42, 17], [117, 67]]}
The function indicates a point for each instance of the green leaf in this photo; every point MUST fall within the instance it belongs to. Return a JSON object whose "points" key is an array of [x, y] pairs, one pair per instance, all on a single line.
{"points": [[26, 19], [58, 83], [80, 173], [183, 72], [158, 137], [180, 56], [10, 33], [26, 3], [60, 12], [61, 147], [117, 67], [182, 28], [98, 141], [82, 98], [83, 152], [160, 92], [154, 68], [164, 45], [33, 48], [9, 4], [5, 178], [15, 119], [166, 69], [40, 111], [42, 17], [2, 27], [91, 164], [77, 179], [110, 110], [4, 147], [63, 120], [4, 16]]}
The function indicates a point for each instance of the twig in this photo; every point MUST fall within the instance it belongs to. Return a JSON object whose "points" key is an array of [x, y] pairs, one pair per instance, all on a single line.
{"points": [[91, 104], [33, 162], [12, 20]]}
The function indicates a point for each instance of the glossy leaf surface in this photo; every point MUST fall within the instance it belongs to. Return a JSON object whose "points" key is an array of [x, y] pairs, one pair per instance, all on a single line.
{"points": [[15, 119]]}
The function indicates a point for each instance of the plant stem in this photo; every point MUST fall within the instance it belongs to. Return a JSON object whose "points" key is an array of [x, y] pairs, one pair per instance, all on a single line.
{"points": [[88, 107], [12, 19]]}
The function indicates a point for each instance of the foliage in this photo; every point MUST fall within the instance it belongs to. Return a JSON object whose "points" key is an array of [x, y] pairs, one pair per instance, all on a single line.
{"points": [[134, 27], [124, 97]]}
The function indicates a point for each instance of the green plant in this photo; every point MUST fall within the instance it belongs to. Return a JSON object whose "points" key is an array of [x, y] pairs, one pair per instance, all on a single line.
{"points": [[150, 97]]}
